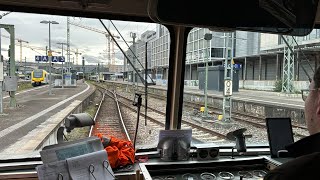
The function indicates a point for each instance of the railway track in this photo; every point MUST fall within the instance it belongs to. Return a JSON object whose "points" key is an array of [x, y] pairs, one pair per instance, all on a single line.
{"points": [[262, 119], [259, 121], [108, 118], [241, 117], [244, 118], [201, 133], [157, 118], [198, 131]]}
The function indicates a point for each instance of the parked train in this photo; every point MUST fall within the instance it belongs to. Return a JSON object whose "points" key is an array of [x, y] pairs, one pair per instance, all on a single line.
{"points": [[40, 76]]}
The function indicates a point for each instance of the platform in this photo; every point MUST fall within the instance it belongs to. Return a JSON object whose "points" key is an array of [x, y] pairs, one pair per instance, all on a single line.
{"points": [[266, 97], [35, 106]]}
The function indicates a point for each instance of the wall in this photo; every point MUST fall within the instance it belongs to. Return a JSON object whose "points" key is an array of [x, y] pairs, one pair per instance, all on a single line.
{"points": [[52, 137], [269, 85]]}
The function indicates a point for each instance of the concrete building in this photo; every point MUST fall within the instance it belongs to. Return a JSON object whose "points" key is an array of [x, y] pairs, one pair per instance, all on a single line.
{"points": [[159, 42], [114, 68], [140, 48], [262, 70], [160, 53], [245, 43], [260, 55], [145, 40]]}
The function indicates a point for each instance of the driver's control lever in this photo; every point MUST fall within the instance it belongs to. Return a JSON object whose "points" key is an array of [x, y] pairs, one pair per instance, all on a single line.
{"points": [[240, 139]]}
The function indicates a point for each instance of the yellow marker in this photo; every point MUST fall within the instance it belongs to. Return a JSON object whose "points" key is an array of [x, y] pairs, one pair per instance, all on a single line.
{"points": [[49, 53], [220, 117], [232, 61], [201, 109]]}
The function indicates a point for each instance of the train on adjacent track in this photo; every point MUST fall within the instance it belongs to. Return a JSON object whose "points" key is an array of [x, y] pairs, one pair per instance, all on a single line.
{"points": [[40, 77]]}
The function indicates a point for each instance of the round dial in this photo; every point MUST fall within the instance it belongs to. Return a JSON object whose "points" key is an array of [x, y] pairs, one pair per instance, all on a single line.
{"points": [[213, 153], [203, 154]]}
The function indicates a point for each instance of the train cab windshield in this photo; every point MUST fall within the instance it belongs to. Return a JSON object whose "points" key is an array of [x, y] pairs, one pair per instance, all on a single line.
{"points": [[156, 88], [38, 74]]}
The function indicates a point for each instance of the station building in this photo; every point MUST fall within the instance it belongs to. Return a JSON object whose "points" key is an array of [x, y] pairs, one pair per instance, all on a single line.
{"points": [[260, 56]]}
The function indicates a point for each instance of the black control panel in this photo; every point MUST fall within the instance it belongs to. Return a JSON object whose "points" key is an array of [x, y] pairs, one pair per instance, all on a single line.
{"points": [[244, 168], [222, 175], [207, 153]]}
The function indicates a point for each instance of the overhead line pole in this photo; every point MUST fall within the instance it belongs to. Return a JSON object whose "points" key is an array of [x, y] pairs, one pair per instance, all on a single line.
{"points": [[12, 71], [68, 42], [50, 53], [304, 70], [62, 44], [1, 82]]}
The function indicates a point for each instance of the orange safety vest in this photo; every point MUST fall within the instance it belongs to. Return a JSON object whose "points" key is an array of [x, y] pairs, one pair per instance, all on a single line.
{"points": [[120, 153]]}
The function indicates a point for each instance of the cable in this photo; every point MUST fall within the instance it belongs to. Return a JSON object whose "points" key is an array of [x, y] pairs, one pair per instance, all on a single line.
{"points": [[142, 80], [303, 54], [126, 43], [120, 48], [132, 52], [125, 26], [305, 71], [36, 51], [145, 29]]}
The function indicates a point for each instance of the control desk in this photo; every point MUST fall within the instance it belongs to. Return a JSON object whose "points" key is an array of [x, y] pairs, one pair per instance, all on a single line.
{"points": [[220, 169]]}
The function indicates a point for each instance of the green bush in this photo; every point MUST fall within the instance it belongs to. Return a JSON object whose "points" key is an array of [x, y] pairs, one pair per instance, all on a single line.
{"points": [[278, 86]]}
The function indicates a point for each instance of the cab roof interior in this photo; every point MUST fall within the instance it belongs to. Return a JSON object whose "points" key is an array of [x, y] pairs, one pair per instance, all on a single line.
{"points": [[126, 10]]}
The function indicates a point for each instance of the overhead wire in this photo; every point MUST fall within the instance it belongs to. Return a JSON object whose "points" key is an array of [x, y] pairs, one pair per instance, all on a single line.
{"points": [[146, 74], [125, 42], [35, 51], [130, 49], [125, 26], [290, 48], [145, 29], [306, 59], [112, 37]]}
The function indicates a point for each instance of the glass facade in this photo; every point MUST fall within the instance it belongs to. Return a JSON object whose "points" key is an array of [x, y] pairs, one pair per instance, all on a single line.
{"points": [[160, 49], [272, 41], [197, 47]]}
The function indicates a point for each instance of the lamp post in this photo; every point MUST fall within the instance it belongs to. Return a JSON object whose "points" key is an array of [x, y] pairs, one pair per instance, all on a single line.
{"points": [[133, 36], [62, 62], [50, 53]]}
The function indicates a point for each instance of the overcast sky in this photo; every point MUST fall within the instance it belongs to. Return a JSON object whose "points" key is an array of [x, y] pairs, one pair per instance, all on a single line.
{"points": [[90, 44]]}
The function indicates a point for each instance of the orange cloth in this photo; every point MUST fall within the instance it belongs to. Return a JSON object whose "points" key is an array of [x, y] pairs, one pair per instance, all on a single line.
{"points": [[120, 153]]}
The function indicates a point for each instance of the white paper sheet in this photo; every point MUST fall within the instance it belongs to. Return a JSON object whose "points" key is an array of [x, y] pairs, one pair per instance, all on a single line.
{"points": [[52, 171], [100, 170], [70, 149]]}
